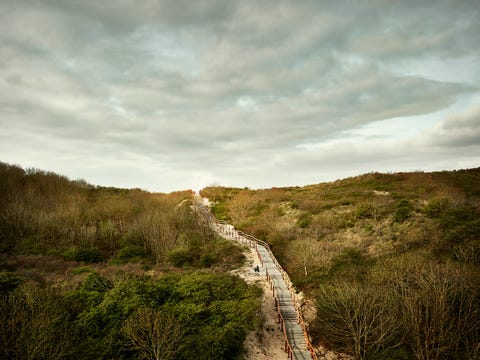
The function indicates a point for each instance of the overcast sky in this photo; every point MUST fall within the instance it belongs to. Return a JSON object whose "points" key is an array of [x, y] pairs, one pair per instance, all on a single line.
{"points": [[171, 95]]}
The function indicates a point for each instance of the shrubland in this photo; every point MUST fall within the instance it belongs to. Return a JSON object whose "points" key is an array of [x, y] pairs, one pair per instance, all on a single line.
{"points": [[91, 272], [391, 261]]}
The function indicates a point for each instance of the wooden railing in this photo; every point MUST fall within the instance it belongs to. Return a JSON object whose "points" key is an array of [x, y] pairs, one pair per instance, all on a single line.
{"points": [[288, 348], [253, 242]]}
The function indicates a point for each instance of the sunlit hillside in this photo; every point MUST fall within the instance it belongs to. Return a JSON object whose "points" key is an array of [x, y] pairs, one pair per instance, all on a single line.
{"points": [[390, 261]]}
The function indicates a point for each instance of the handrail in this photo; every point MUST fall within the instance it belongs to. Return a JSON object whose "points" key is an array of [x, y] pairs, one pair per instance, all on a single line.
{"points": [[288, 348], [238, 234]]}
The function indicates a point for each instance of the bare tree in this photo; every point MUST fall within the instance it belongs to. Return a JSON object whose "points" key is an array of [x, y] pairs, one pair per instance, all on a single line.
{"points": [[159, 232], [34, 325], [441, 312], [358, 321], [154, 334], [240, 205], [305, 256]]}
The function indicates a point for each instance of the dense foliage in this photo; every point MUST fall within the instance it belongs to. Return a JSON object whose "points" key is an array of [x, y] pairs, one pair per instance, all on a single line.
{"points": [[391, 260], [45, 213], [90, 272], [189, 316], [42, 212]]}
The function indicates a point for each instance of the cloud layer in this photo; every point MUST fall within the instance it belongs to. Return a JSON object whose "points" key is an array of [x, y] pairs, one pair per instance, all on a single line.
{"points": [[169, 95]]}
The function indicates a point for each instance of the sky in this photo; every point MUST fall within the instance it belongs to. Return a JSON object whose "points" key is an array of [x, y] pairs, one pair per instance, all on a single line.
{"points": [[172, 95]]}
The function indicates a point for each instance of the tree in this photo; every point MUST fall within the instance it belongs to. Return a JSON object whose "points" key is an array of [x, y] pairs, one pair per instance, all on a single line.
{"points": [[441, 309], [308, 255], [359, 321], [155, 334]]}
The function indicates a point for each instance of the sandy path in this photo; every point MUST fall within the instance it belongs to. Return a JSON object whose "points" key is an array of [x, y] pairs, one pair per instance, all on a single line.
{"points": [[265, 343]]}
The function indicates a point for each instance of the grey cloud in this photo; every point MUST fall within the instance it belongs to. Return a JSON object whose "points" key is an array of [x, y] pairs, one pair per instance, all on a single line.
{"points": [[458, 131], [223, 85]]}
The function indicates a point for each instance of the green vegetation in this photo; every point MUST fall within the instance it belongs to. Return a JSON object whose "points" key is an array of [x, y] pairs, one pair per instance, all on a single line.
{"points": [[103, 273], [188, 316], [391, 260]]}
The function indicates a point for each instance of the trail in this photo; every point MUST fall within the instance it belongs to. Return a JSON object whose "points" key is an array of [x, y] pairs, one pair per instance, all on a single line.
{"points": [[265, 343], [283, 333]]}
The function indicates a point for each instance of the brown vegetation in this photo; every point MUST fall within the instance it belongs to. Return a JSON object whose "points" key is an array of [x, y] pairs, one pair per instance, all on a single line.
{"points": [[90, 272], [390, 259]]}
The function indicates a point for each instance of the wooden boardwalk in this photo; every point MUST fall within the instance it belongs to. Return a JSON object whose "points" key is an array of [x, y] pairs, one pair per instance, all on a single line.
{"points": [[297, 344]]}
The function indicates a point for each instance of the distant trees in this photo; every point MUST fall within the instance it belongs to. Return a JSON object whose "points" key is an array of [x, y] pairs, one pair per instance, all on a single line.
{"points": [[43, 212]]}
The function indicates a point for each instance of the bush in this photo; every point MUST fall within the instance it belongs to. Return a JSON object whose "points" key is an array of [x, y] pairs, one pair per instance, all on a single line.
{"points": [[207, 260], [180, 257], [403, 211], [364, 211], [8, 281], [460, 239], [360, 321], [129, 253], [211, 313], [441, 312], [35, 324], [351, 264], [81, 270], [303, 223], [96, 282], [88, 255], [220, 211], [436, 207]]}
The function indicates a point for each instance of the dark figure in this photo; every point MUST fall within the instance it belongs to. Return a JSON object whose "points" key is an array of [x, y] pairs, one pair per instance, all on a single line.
{"points": [[256, 269]]}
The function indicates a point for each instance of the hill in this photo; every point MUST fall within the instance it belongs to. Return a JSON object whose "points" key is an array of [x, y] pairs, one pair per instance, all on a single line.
{"points": [[89, 272], [390, 261]]}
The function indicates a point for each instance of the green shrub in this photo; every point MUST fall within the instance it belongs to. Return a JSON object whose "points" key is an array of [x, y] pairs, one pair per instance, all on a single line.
{"points": [[403, 211], [213, 311], [132, 237], [207, 260], [351, 264], [368, 228], [96, 282], [328, 206], [436, 207], [303, 222], [88, 255], [180, 257], [364, 211], [129, 253], [460, 239], [8, 281], [220, 211]]}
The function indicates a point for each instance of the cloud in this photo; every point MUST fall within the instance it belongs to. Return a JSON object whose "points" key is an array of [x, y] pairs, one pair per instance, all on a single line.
{"points": [[457, 131], [218, 89]]}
